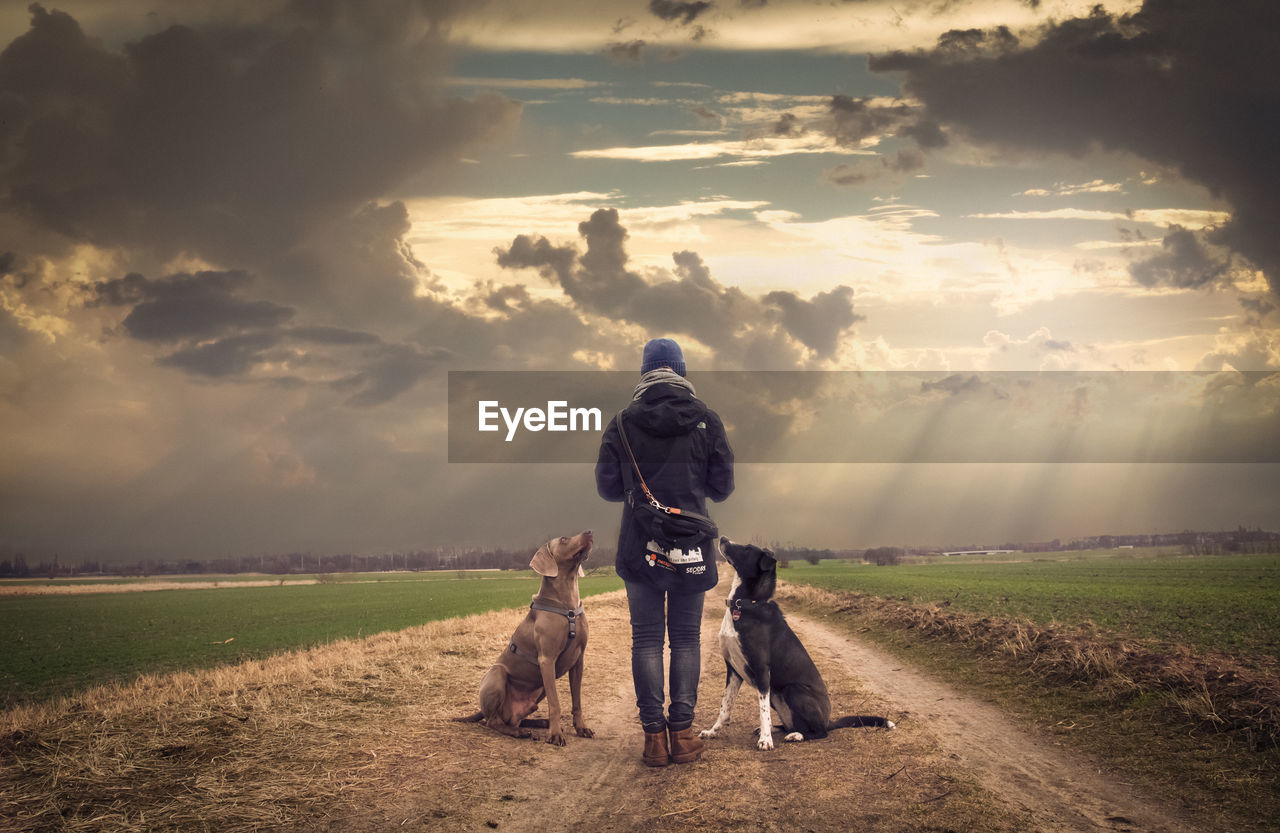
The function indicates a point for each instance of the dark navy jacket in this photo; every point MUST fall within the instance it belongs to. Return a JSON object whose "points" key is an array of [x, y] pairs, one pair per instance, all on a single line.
{"points": [[685, 458]]}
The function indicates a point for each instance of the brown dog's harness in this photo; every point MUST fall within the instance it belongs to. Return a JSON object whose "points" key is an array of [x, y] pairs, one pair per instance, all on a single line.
{"points": [[571, 615]]}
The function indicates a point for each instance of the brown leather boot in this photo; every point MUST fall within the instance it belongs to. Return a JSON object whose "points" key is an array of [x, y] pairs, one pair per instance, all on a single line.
{"points": [[685, 746], [655, 749]]}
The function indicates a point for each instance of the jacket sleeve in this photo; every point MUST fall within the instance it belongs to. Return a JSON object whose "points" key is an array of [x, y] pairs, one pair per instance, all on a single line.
{"points": [[720, 463], [609, 482]]}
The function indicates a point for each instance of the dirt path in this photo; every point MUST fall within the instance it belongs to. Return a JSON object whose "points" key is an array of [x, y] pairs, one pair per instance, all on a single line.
{"points": [[600, 785], [357, 736], [872, 780], [1055, 790]]}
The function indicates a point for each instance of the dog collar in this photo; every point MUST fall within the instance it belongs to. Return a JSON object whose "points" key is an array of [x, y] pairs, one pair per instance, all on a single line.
{"points": [[735, 605]]}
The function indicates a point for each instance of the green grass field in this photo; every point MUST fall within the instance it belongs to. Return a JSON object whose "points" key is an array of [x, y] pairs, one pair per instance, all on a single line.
{"points": [[247, 578], [56, 645], [59, 644], [1227, 603]]}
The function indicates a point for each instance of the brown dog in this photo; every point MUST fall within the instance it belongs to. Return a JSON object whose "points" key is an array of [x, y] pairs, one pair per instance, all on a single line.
{"points": [[550, 641]]}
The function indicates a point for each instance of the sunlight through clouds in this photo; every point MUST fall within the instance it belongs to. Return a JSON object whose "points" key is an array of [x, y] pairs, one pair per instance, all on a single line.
{"points": [[242, 245]]}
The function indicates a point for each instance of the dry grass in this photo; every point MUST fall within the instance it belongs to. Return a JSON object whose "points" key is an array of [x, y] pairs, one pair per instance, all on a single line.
{"points": [[242, 747], [1215, 692]]}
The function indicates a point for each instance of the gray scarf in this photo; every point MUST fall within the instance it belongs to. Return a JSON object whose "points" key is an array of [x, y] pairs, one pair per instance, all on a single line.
{"points": [[662, 376]]}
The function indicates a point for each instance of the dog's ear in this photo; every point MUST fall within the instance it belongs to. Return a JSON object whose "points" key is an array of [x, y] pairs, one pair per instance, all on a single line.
{"points": [[543, 563], [767, 560]]}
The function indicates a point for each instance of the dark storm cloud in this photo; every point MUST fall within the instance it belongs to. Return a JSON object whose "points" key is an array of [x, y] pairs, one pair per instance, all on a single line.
{"points": [[1257, 308], [15, 273], [631, 51], [525, 252], [818, 322], [359, 271], [227, 338], [844, 174], [230, 143], [13, 337], [1192, 86], [928, 134], [261, 143], [1184, 263], [854, 120], [684, 12], [171, 320], [738, 326], [390, 371], [959, 384], [224, 358], [185, 306], [707, 114], [373, 372], [506, 298], [787, 125], [331, 335], [969, 41], [905, 160]]}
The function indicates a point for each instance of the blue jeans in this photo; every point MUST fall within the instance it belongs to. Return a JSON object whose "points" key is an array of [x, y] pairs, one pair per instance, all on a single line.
{"points": [[682, 621]]}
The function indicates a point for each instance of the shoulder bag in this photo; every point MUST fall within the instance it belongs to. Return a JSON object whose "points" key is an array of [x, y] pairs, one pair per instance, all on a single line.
{"points": [[669, 526]]}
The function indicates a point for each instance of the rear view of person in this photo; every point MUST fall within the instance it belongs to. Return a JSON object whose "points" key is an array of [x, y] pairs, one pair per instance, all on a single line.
{"points": [[684, 457]]}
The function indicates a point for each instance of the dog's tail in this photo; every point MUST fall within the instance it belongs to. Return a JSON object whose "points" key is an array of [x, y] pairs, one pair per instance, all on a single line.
{"points": [[471, 718], [861, 720]]}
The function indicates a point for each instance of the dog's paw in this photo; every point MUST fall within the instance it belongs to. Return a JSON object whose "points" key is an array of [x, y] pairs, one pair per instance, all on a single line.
{"points": [[584, 732], [707, 734], [556, 738], [793, 737], [765, 742]]}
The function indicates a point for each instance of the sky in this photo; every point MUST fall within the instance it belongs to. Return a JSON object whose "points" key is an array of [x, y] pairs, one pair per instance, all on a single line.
{"points": [[242, 244]]}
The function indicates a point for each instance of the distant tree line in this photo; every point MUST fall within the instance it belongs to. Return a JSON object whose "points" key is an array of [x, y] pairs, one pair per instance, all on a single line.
{"points": [[16, 565], [1190, 542], [882, 556], [791, 552], [1239, 540]]}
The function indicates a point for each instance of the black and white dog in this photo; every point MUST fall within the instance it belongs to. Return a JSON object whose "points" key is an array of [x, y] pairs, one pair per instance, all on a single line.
{"points": [[759, 646]]}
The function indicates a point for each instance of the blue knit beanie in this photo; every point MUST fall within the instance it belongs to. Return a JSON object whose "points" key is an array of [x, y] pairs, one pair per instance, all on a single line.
{"points": [[662, 352]]}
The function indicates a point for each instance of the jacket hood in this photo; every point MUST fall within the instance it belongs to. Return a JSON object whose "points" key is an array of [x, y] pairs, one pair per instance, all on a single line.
{"points": [[666, 411]]}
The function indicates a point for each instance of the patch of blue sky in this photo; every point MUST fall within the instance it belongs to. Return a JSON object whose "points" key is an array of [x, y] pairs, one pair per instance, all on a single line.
{"points": [[658, 103]]}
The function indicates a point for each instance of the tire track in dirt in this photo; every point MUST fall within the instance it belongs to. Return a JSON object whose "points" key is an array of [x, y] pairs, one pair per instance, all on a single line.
{"points": [[1055, 790]]}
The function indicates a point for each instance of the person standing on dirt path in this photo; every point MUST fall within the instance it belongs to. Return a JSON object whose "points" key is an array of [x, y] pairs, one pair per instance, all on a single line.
{"points": [[684, 456]]}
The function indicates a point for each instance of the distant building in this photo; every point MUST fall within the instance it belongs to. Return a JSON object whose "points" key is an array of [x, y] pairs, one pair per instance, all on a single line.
{"points": [[979, 552]]}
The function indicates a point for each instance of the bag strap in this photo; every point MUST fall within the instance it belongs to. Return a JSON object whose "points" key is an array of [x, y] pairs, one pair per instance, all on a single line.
{"points": [[622, 432], [670, 510], [676, 511]]}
